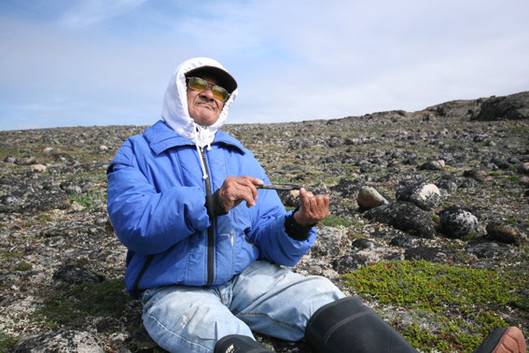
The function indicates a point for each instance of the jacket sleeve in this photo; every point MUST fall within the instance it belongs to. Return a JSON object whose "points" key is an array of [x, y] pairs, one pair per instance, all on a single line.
{"points": [[147, 221], [270, 235]]}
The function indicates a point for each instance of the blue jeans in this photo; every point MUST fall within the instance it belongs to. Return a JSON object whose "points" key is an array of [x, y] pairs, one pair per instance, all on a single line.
{"points": [[264, 298]]}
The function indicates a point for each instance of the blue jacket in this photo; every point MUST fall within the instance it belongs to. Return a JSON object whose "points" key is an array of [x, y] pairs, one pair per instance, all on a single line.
{"points": [[156, 202]]}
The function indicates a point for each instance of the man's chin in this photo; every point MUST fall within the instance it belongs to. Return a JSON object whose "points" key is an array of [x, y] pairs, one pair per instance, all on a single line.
{"points": [[205, 120]]}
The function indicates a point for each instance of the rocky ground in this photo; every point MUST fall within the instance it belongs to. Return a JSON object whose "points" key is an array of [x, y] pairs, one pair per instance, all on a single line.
{"points": [[449, 184]]}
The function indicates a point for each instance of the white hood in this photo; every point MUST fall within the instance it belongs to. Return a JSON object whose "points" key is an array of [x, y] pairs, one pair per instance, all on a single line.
{"points": [[175, 112]]}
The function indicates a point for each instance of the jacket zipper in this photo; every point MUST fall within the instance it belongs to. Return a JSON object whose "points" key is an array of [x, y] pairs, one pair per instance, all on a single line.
{"points": [[211, 229]]}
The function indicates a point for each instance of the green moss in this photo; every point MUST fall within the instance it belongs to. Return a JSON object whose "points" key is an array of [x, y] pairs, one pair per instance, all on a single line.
{"points": [[463, 302], [6, 342], [335, 221], [24, 266], [88, 200], [76, 305], [9, 255]]}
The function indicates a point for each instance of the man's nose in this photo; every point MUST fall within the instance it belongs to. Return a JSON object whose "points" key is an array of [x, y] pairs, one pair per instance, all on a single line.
{"points": [[208, 93]]}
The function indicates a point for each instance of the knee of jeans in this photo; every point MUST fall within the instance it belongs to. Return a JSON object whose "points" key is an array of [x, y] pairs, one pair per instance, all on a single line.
{"points": [[322, 292], [191, 316]]}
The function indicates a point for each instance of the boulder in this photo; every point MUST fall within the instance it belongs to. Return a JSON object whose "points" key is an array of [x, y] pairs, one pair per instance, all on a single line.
{"points": [[457, 222], [369, 197], [512, 107], [504, 233], [405, 216], [425, 195]]}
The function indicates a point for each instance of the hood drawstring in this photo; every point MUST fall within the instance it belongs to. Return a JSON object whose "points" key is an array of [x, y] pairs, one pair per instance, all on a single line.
{"points": [[198, 131]]}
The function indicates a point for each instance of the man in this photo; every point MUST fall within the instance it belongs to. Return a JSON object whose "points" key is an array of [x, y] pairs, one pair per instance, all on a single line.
{"points": [[206, 244]]}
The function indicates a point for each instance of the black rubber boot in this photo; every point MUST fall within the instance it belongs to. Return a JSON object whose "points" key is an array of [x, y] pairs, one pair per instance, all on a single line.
{"points": [[503, 340], [239, 344], [348, 325]]}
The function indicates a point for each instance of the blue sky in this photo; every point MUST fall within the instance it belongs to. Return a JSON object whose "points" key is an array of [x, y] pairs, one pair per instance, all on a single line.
{"points": [[107, 62]]}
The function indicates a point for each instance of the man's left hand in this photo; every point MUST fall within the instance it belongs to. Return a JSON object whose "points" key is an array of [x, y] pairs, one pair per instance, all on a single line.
{"points": [[312, 209]]}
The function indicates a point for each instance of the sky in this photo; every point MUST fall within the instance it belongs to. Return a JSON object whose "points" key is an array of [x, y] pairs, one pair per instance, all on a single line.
{"points": [[108, 62]]}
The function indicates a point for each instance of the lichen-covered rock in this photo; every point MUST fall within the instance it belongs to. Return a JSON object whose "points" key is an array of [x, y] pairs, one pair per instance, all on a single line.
{"points": [[425, 195], [348, 262], [457, 222], [404, 216], [431, 254], [62, 341], [437, 164], [513, 107], [504, 233]]}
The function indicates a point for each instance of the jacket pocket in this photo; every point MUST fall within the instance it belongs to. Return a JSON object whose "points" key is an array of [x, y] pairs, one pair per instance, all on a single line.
{"points": [[225, 256]]}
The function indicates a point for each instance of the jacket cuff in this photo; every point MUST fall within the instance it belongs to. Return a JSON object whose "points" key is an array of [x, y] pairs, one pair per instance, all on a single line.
{"points": [[214, 205], [295, 230]]}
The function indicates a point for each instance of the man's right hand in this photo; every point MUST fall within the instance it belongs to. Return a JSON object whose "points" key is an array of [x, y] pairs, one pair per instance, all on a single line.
{"points": [[234, 190]]}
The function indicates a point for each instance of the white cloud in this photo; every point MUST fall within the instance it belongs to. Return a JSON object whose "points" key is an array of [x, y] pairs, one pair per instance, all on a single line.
{"points": [[90, 12]]}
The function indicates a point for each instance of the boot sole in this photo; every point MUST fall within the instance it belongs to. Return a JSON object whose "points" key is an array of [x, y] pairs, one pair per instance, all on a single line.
{"points": [[512, 341]]}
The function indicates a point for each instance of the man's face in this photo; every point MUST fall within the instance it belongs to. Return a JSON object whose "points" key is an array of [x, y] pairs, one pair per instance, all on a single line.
{"points": [[203, 107]]}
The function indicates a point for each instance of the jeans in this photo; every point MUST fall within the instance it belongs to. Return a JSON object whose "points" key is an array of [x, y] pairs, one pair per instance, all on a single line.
{"points": [[264, 298]]}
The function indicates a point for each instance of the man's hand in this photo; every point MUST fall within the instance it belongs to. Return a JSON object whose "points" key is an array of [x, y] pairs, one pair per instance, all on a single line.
{"points": [[234, 190], [312, 209]]}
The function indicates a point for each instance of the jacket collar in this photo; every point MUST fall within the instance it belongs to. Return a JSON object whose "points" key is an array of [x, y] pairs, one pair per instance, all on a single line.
{"points": [[161, 137]]}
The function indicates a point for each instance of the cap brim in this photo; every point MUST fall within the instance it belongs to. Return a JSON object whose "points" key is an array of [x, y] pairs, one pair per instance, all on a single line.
{"points": [[224, 78]]}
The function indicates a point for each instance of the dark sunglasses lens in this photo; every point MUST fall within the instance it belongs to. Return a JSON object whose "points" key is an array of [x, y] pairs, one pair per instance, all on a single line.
{"points": [[197, 84], [220, 93], [200, 85]]}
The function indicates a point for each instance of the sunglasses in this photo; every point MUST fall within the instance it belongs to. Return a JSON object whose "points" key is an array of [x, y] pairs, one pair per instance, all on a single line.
{"points": [[200, 85]]}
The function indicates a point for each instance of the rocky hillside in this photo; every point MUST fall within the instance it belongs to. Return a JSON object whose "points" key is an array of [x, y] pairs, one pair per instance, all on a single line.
{"points": [[446, 187]]}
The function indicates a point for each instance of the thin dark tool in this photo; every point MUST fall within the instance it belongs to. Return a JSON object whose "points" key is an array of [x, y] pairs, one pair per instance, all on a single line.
{"points": [[281, 187]]}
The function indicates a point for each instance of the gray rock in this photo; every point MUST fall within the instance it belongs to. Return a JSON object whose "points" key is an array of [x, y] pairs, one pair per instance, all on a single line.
{"points": [[524, 168], [26, 160], [482, 249], [327, 243], [504, 233], [348, 262], [426, 196], [38, 168], [369, 197], [71, 188], [61, 341], [438, 164], [447, 185], [478, 175], [72, 274], [457, 222], [513, 107], [431, 254], [404, 216]]}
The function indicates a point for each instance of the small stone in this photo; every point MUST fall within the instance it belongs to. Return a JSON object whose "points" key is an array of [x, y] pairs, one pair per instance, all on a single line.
{"points": [[503, 233], [369, 198], [524, 168], [477, 175], [424, 195], [26, 160], [433, 165], [38, 168], [10, 159]]}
